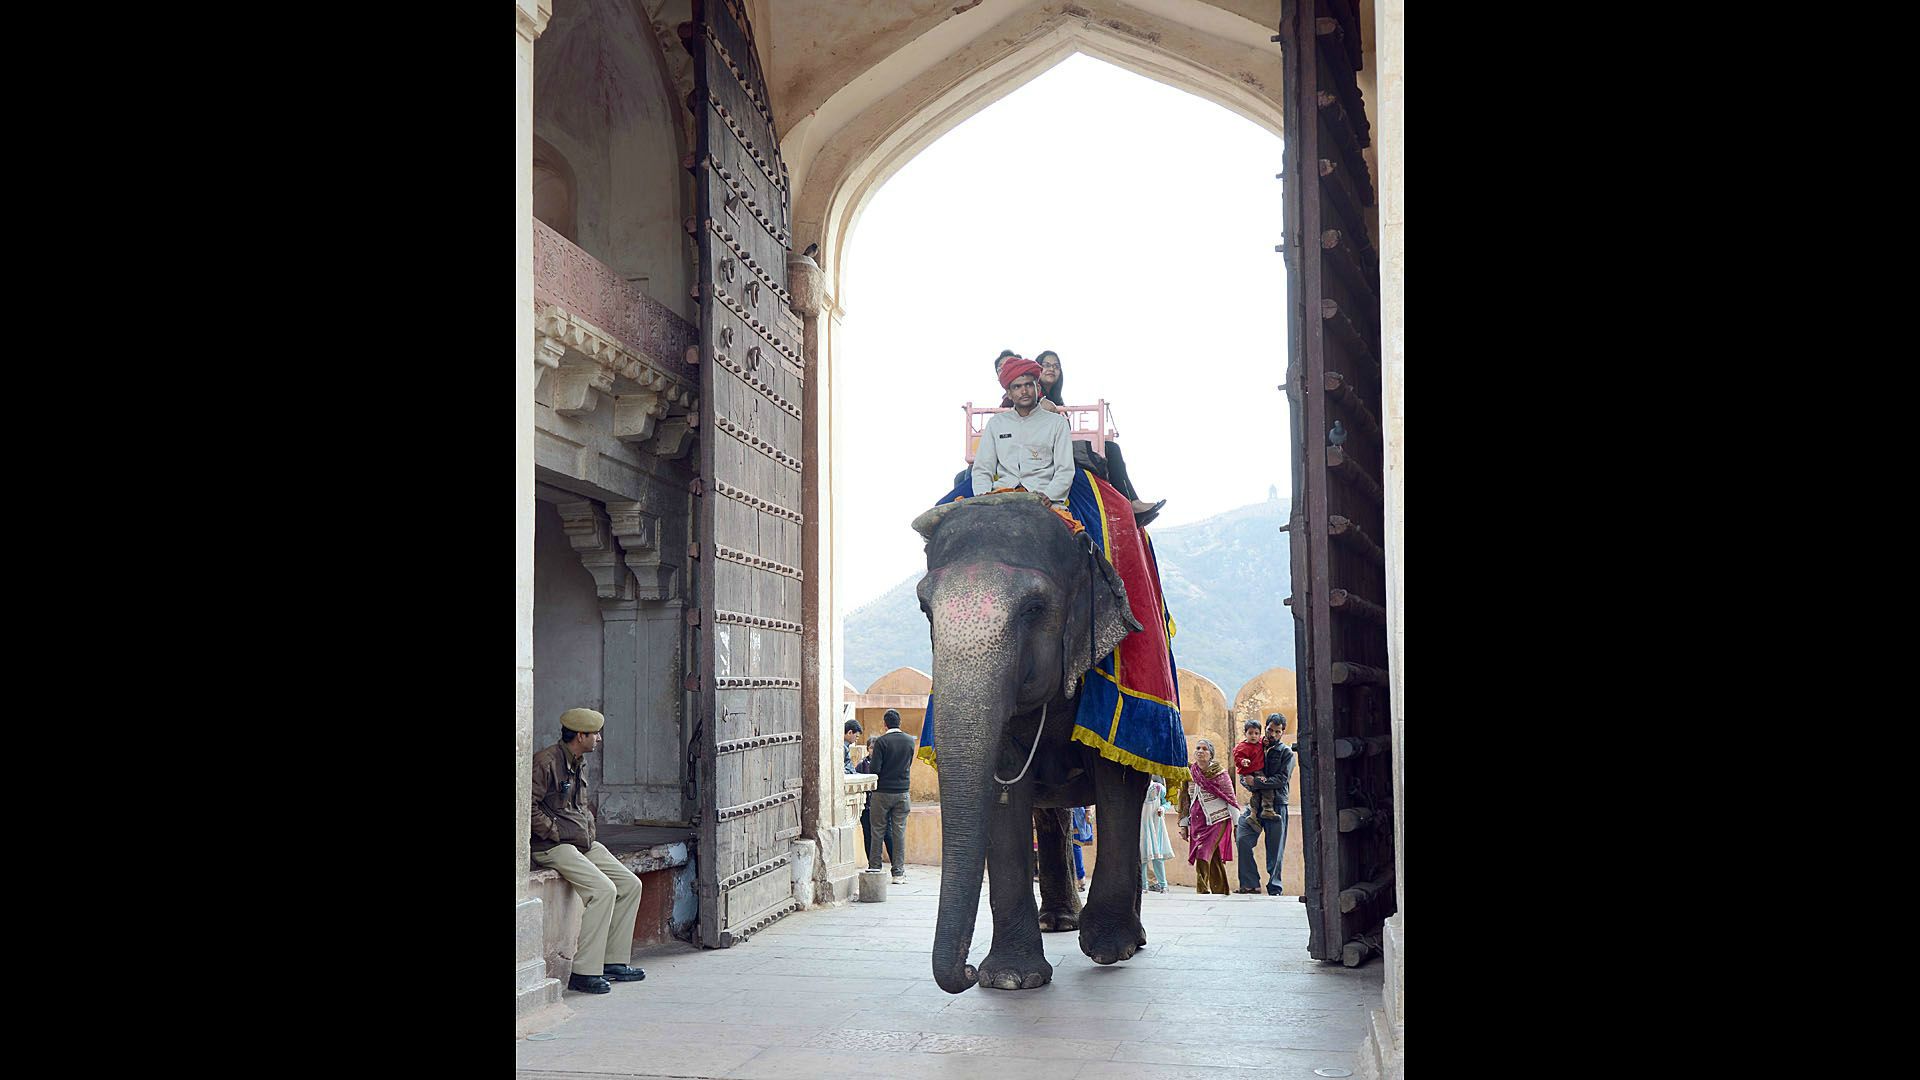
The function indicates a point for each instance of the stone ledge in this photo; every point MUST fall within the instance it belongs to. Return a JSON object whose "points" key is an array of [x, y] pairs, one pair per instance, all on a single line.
{"points": [[645, 860], [560, 925], [1379, 1058]]}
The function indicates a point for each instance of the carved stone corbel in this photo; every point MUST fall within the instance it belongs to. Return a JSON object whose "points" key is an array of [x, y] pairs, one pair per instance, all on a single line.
{"points": [[674, 437], [530, 18], [590, 532], [578, 384], [635, 413], [639, 534], [547, 354]]}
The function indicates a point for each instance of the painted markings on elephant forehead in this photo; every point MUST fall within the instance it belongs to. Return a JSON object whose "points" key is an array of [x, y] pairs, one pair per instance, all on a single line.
{"points": [[970, 613], [972, 604]]}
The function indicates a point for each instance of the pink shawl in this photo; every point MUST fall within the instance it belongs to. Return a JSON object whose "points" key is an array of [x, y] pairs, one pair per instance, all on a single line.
{"points": [[1208, 840]]}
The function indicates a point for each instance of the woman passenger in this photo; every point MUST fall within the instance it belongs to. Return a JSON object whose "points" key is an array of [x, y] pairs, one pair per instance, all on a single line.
{"points": [[1112, 466]]}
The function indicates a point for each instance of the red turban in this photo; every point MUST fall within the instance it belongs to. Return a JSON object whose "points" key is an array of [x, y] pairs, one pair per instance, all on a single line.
{"points": [[1015, 367]]}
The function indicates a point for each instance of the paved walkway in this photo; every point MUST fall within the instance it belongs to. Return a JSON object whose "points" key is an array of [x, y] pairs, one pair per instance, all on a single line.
{"points": [[1223, 988]]}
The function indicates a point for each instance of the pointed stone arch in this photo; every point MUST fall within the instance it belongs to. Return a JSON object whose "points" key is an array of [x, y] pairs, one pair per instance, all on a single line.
{"points": [[844, 136], [844, 150]]}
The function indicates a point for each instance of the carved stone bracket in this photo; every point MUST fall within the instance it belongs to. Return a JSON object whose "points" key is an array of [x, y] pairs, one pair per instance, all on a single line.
{"points": [[577, 385], [588, 363], [673, 438], [591, 533], [639, 534], [636, 414], [531, 16]]}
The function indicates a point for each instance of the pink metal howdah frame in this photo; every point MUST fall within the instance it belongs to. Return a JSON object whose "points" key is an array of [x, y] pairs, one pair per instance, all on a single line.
{"points": [[1089, 423]]}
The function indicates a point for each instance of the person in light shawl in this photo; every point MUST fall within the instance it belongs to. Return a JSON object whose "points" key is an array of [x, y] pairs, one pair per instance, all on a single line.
{"points": [[1155, 847]]}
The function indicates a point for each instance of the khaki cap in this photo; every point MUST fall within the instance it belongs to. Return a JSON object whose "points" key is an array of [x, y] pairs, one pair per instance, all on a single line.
{"points": [[582, 720]]}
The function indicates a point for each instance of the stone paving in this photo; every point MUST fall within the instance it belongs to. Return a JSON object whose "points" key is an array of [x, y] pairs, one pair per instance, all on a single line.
{"points": [[1224, 987]]}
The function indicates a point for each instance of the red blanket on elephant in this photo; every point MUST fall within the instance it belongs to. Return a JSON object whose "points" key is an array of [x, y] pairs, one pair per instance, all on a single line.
{"points": [[1130, 709]]}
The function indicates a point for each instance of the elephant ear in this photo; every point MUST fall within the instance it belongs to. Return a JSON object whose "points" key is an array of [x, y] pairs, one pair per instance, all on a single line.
{"points": [[1090, 635]]}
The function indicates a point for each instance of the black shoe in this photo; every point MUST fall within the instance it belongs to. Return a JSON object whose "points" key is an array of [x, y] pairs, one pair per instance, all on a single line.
{"points": [[589, 984], [1143, 518], [1274, 890], [622, 973]]}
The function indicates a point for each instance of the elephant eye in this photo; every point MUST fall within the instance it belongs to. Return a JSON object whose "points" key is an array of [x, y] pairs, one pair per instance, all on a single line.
{"points": [[1033, 610]]}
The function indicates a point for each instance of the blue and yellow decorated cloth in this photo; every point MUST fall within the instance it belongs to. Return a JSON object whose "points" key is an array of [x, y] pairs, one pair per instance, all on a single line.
{"points": [[1130, 701]]}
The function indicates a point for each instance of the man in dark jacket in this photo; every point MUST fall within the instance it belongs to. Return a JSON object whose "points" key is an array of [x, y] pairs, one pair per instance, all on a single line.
{"points": [[892, 758], [1275, 775], [563, 838]]}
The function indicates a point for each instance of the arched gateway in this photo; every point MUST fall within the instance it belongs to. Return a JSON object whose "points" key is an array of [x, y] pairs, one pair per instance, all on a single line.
{"points": [[798, 111]]}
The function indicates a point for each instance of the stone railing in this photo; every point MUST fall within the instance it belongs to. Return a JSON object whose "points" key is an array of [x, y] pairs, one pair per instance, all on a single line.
{"points": [[569, 278], [596, 336]]}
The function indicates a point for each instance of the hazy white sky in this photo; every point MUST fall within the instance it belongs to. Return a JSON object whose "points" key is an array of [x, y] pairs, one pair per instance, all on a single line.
{"points": [[1122, 223]]}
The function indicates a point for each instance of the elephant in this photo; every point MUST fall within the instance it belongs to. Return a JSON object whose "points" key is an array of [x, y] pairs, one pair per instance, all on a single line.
{"points": [[1019, 607]]}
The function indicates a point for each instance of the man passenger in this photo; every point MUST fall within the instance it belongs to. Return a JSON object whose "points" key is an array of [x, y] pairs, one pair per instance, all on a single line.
{"points": [[1028, 447]]}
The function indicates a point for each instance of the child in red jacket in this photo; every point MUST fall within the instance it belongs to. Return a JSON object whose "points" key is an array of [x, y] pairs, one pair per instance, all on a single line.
{"points": [[1250, 758]]}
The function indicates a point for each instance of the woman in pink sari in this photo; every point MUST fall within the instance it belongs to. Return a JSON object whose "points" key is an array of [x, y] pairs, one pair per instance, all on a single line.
{"points": [[1206, 819]]}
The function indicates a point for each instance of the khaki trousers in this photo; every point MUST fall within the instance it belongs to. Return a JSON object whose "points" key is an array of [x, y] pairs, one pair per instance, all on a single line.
{"points": [[1211, 877], [611, 893]]}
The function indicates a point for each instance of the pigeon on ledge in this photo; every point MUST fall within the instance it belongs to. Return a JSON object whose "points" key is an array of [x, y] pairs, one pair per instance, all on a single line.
{"points": [[1338, 436]]}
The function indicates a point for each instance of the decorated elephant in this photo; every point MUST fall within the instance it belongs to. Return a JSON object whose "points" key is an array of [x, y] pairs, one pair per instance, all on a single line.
{"points": [[1020, 604]]}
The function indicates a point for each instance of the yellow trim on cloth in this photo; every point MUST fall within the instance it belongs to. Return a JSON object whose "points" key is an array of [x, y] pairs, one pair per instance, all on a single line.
{"points": [[1132, 693], [1132, 761]]}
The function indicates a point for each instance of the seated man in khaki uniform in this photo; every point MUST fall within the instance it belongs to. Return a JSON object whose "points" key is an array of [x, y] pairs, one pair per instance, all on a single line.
{"points": [[563, 839]]}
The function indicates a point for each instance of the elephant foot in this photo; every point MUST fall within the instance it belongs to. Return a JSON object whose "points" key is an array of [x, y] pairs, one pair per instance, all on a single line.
{"points": [[1015, 971], [1058, 919], [1110, 940]]}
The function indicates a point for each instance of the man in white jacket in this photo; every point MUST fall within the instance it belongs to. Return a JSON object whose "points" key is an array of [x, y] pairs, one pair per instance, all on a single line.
{"points": [[1028, 447]]}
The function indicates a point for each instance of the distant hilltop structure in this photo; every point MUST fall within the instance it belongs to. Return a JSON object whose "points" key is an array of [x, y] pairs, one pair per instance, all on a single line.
{"points": [[1273, 492]]}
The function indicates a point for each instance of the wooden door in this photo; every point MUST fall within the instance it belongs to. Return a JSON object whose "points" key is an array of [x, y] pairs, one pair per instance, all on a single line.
{"points": [[1339, 568], [746, 556]]}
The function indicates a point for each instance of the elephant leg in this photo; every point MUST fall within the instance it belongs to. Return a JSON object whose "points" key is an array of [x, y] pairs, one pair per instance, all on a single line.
{"points": [[1059, 897], [1110, 929], [1016, 960]]}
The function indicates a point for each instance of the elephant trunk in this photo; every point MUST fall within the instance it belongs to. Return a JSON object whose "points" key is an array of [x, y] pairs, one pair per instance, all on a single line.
{"points": [[975, 680], [963, 854]]}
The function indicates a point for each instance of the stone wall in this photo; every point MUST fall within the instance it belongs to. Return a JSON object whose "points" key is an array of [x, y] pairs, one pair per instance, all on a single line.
{"points": [[566, 634], [603, 100]]}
